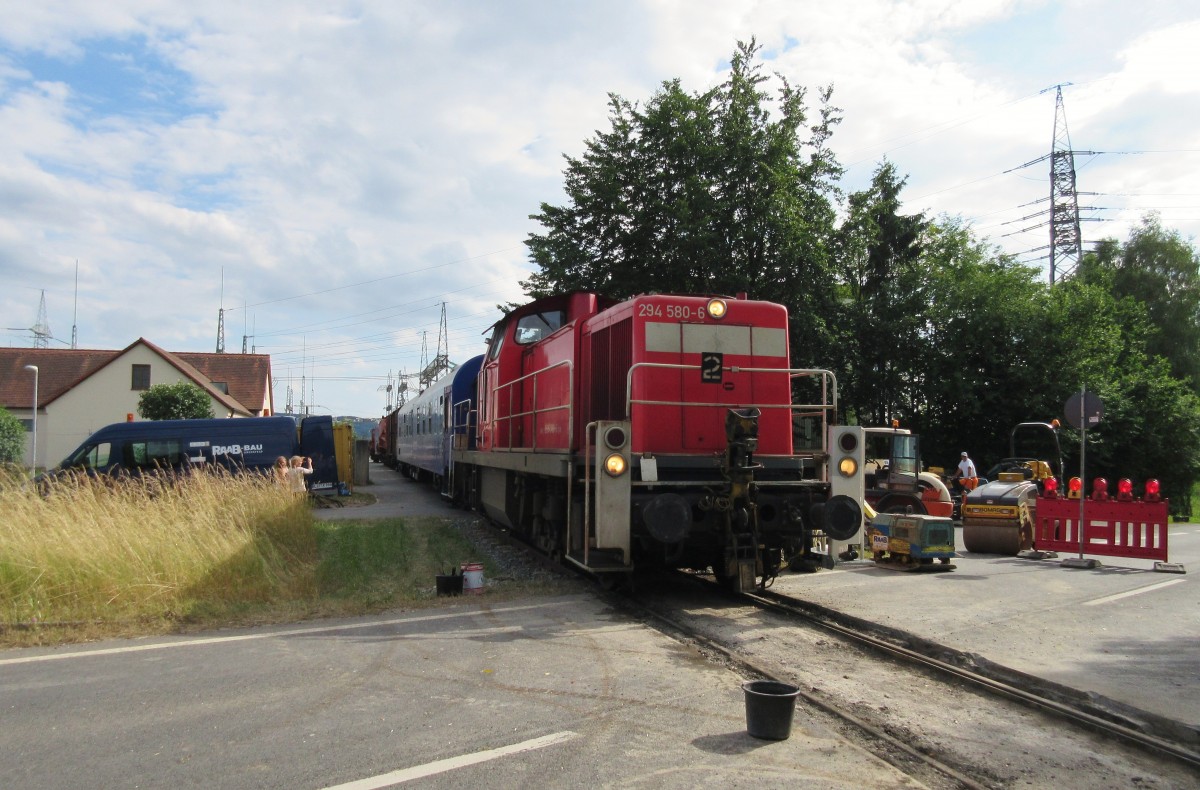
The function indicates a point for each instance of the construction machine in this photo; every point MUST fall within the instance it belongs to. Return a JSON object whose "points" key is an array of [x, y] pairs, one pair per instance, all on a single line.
{"points": [[895, 482], [998, 516]]}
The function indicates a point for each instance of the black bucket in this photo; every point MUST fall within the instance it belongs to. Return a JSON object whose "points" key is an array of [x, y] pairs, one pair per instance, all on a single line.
{"points": [[449, 584], [770, 707]]}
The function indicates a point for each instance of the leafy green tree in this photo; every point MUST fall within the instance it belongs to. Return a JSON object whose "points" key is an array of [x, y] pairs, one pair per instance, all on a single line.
{"points": [[879, 256], [707, 192], [12, 438], [182, 401], [982, 367], [1161, 270]]}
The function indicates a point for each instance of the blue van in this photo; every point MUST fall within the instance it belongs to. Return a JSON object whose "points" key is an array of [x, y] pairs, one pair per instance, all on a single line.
{"points": [[241, 444]]}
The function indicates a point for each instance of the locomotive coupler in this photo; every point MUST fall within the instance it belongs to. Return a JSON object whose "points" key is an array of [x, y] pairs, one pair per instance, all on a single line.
{"points": [[742, 556]]}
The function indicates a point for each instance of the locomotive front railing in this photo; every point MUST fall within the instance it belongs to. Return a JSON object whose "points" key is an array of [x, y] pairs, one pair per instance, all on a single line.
{"points": [[821, 410], [534, 411]]}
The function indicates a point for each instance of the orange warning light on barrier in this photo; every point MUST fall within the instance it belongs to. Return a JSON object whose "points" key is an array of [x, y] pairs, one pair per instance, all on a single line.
{"points": [[1074, 488]]}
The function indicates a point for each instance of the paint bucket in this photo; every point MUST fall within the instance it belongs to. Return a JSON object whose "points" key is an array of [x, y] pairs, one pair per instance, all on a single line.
{"points": [[770, 707], [449, 584], [472, 575]]}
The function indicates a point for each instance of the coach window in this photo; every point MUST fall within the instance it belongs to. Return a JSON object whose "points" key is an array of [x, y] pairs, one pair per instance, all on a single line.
{"points": [[141, 377], [532, 328]]}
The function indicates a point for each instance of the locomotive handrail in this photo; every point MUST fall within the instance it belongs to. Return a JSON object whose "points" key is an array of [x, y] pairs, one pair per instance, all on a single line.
{"points": [[569, 406], [826, 375]]}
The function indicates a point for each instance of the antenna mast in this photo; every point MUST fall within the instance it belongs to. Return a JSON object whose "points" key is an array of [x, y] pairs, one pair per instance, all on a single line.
{"points": [[75, 314], [221, 317]]}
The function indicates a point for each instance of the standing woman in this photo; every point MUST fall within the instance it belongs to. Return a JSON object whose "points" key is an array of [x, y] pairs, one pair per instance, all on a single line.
{"points": [[297, 474], [280, 473]]}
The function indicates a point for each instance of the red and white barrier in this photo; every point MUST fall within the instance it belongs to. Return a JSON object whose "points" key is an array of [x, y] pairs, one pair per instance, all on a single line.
{"points": [[1111, 528]]}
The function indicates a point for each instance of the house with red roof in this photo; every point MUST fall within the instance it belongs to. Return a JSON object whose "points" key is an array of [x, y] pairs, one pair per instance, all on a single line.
{"points": [[82, 390]]}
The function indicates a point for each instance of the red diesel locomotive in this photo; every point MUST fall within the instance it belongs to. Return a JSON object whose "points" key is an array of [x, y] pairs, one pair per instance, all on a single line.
{"points": [[657, 431]]}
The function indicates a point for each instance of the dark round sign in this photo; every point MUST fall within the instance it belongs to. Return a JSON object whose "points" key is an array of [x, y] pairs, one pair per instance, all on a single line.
{"points": [[1084, 410]]}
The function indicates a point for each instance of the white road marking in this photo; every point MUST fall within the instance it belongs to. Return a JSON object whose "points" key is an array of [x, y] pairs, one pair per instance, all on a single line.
{"points": [[452, 763], [1138, 591], [214, 640]]}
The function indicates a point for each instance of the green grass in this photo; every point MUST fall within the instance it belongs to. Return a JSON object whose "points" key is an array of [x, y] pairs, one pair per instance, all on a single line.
{"points": [[107, 558]]}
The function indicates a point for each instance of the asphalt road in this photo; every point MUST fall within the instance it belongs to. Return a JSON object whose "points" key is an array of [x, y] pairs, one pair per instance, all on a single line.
{"points": [[544, 692]]}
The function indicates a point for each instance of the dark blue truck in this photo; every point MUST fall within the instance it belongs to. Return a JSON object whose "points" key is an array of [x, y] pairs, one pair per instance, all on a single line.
{"points": [[242, 444]]}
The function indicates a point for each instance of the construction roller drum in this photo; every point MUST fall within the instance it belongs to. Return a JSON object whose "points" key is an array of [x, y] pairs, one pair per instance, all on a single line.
{"points": [[998, 517]]}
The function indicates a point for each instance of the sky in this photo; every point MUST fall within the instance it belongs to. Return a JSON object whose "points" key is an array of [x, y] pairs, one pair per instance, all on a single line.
{"points": [[333, 174]]}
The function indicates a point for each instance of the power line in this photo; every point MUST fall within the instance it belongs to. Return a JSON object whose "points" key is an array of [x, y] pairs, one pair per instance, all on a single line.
{"points": [[376, 280]]}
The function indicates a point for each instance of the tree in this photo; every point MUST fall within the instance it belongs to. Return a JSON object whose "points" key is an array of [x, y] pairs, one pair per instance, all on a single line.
{"points": [[182, 401], [1159, 269], [702, 193], [879, 257], [12, 438]]}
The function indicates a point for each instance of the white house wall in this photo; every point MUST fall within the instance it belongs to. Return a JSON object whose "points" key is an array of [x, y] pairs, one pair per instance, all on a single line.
{"points": [[103, 398]]}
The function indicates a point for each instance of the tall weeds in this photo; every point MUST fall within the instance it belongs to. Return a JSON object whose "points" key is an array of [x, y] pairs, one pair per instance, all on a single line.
{"points": [[135, 550]]}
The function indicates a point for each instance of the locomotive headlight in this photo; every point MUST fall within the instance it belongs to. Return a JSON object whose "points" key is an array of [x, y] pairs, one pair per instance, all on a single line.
{"points": [[717, 308], [847, 467], [615, 465], [614, 437]]}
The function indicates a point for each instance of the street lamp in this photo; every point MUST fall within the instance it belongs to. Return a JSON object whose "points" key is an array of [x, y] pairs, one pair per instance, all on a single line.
{"points": [[33, 451]]}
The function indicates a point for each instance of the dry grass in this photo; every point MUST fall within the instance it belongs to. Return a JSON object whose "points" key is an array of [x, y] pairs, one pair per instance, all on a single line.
{"points": [[149, 552], [103, 558]]}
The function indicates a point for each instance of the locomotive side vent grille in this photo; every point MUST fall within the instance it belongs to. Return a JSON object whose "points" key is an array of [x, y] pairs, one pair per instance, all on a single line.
{"points": [[612, 356]]}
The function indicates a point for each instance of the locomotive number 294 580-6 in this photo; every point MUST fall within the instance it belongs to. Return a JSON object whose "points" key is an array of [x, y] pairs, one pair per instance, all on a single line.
{"points": [[680, 312]]}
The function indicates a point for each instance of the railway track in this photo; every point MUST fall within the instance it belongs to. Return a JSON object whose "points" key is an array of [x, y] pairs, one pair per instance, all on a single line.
{"points": [[908, 750], [915, 756], [1075, 715]]}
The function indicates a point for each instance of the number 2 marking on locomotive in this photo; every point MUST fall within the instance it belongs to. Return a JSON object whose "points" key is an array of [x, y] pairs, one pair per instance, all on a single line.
{"points": [[710, 366]]}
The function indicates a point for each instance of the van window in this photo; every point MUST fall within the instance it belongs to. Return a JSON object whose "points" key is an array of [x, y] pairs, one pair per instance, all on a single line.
{"points": [[155, 453], [90, 456]]}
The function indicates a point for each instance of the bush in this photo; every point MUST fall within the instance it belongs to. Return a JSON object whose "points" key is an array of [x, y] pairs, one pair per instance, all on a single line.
{"points": [[182, 401], [12, 438]]}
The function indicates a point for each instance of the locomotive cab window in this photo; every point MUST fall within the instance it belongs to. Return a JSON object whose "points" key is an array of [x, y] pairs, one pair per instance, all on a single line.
{"points": [[534, 327], [494, 343]]}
